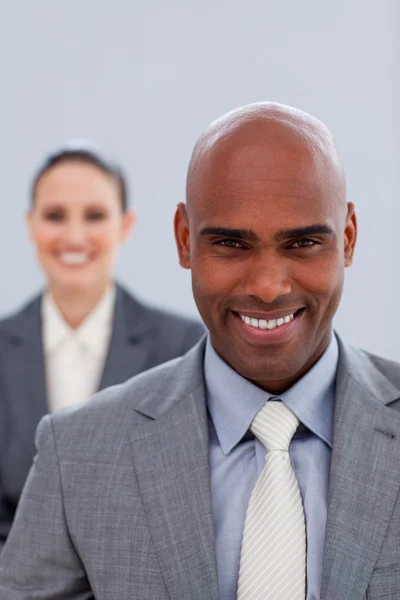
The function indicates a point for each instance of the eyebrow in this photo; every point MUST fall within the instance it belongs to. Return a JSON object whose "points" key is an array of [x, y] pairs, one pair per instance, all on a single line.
{"points": [[298, 232], [284, 234], [236, 234]]}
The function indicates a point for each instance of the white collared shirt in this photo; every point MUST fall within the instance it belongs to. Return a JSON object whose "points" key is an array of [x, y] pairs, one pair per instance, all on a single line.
{"points": [[74, 358]]}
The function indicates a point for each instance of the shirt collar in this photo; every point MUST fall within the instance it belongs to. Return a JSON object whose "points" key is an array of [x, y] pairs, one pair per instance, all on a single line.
{"points": [[234, 401], [91, 333]]}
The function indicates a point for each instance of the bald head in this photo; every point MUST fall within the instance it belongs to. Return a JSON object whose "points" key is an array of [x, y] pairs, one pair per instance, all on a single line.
{"points": [[267, 233], [283, 141]]}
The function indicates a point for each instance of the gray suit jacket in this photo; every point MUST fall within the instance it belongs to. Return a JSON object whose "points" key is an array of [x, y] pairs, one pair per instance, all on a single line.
{"points": [[142, 337], [118, 503]]}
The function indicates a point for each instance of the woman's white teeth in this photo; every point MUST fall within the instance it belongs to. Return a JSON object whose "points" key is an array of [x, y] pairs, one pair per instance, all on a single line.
{"points": [[266, 324], [74, 258]]}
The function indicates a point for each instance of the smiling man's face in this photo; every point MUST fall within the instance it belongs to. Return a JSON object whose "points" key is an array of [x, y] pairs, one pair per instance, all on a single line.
{"points": [[267, 234]]}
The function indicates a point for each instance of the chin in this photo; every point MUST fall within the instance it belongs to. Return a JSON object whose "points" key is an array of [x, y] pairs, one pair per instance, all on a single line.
{"points": [[72, 284], [266, 372], [259, 369]]}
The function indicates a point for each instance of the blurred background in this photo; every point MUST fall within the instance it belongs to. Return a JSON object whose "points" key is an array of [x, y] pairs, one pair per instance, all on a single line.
{"points": [[143, 79]]}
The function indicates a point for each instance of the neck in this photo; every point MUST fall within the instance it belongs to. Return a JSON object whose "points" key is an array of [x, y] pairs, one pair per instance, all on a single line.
{"points": [[76, 304]]}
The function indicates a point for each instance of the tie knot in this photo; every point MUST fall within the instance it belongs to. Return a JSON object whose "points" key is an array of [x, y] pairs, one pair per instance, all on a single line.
{"points": [[274, 425]]}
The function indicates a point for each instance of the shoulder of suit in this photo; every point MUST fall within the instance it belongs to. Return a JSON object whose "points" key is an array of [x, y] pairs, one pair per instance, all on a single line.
{"points": [[370, 370], [387, 367], [158, 316], [117, 405], [29, 311]]}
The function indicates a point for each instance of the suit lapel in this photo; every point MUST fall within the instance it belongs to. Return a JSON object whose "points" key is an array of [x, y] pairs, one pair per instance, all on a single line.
{"points": [[131, 341], [365, 476], [171, 460], [25, 387]]}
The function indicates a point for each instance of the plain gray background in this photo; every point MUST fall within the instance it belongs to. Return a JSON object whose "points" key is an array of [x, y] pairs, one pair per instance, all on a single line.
{"points": [[142, 79]]}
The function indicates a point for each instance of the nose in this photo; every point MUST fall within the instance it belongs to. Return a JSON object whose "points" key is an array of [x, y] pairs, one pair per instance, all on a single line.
{"points": [[75, 233], [268, 278]]}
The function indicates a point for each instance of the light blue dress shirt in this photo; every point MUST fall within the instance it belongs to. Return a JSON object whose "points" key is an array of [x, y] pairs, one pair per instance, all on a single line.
{"points": [[237, 458]]}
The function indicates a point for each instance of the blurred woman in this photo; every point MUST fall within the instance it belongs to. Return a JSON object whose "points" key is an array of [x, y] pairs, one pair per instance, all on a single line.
{"points": [[84, 332]]}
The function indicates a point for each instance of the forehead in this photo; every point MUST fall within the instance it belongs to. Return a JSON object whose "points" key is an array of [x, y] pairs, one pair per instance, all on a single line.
{"points": [[277, 184], [75, 180]]}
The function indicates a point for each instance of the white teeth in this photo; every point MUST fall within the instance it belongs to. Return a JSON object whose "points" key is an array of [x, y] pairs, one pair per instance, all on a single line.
{"points": [[74, 258], [264, 324]]}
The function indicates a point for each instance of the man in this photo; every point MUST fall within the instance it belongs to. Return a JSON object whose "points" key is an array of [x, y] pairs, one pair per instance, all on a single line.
{"points": [[178, 483]]}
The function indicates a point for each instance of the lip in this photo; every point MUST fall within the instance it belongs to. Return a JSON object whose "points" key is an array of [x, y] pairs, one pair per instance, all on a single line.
{"points": [[279, 335]]}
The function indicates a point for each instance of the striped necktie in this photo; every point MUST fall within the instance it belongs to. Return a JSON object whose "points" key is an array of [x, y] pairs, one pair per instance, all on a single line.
{"points": [[273, 554]]}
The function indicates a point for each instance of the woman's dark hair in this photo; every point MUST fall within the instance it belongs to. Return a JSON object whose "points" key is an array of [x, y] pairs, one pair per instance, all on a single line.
{"points": [[86, 156]]}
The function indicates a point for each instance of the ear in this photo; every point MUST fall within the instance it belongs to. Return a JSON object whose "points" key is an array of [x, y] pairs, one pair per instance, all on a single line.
{"points": [[350, 235], [182, 235], [129, 221], [29, 225]]}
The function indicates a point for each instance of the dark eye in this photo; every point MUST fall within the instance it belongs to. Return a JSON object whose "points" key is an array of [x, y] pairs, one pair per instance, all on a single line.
{"points": [[229, 244], [96, 216], [54, 216], [304, 244]]}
